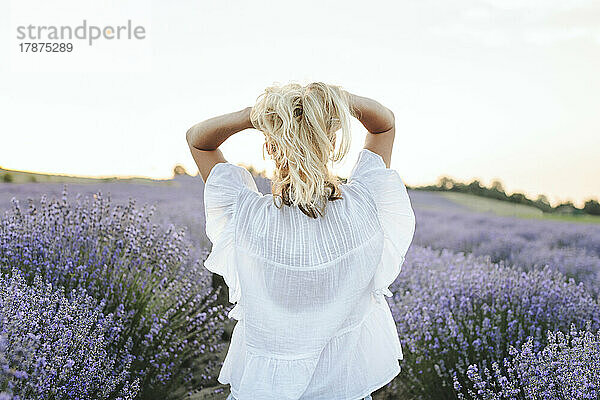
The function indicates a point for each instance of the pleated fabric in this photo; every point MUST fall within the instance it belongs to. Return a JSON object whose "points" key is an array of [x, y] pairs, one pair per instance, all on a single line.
{"points": [[313, 322]]}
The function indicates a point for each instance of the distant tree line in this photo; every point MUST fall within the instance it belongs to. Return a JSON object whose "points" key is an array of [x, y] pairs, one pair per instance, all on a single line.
{"points": [[496, 191]]}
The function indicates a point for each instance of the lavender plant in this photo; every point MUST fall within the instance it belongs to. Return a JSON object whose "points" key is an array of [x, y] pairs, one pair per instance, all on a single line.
{"points": [[139, 271], [57, 347], [568, 367], [455, 310], [178, 201], [573, 249]]}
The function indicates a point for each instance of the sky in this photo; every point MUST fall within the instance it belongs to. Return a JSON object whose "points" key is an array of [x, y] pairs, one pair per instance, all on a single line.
{"points": [[481, 89]]}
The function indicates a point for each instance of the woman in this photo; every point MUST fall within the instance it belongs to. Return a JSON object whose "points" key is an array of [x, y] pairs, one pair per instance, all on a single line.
{"points": [[308, 265]]}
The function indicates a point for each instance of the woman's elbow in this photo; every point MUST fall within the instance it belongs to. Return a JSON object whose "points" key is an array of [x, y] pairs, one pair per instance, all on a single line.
{"points": [[189, 136], [392, 117], [197, 140]]}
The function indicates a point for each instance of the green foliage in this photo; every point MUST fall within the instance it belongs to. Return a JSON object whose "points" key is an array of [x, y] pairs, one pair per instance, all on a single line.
{"points": [[592, 207], [496, 191], [7, 178], [179, 170]]}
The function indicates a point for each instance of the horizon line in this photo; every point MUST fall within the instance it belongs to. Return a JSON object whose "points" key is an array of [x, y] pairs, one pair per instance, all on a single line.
{"points": [[263, 171]]}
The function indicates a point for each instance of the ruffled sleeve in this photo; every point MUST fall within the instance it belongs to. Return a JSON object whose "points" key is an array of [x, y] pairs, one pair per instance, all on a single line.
{"points": [[394, 211], [222, 190]]}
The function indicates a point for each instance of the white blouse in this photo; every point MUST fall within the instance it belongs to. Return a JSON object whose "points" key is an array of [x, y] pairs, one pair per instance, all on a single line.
{"points": [[312, 319]]}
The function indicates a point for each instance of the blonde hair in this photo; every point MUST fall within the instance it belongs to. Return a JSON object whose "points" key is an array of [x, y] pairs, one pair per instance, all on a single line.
{"points": [[300, 125]]}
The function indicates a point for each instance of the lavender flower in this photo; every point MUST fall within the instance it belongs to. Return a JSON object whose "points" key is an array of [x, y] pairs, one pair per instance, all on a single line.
{"points": [[568, 367], [53, 346], [573, 249], [455, 310], [139, 271]]}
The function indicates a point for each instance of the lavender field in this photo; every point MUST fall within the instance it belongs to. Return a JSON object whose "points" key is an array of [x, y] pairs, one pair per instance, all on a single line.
{"points": [[105, 297]]}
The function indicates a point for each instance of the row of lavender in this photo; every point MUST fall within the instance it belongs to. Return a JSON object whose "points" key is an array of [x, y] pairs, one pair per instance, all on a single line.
{"points": [[119, 279], [99, 302], [494, 308], [572, 248], [473, 329]]}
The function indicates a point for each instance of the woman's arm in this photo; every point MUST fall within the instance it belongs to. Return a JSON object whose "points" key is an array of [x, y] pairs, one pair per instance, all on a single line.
{"points": [[205, 137], [380, 124], [208, 135]]}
